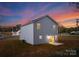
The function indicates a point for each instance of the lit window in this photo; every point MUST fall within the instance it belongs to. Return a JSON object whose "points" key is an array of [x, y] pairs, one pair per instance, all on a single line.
{"points": [[48, 37], [40, 37], [54, 26], [38, 25], [56, 38]]}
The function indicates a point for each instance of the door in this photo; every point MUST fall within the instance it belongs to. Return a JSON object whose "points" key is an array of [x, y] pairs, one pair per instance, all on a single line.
{"points": [[51, 39]]}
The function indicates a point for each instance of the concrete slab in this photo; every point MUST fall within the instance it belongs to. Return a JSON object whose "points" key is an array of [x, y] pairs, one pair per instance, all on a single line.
{"points": [[56, 43]]}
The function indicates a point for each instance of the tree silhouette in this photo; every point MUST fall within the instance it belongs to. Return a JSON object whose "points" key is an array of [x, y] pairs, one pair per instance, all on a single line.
{"points": [[18, 26], [77, 21]]}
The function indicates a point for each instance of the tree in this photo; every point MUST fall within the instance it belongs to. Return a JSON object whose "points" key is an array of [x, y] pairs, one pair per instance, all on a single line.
{"points": [[18, 26], [77, 5], [77, 21], [77, 25]]}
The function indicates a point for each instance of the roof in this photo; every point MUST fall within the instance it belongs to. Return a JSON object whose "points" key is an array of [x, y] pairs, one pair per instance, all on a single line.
{"points": [[33, 21]]}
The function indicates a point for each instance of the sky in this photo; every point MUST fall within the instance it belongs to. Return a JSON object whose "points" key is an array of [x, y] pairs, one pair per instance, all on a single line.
{"points": [[13, 13]]}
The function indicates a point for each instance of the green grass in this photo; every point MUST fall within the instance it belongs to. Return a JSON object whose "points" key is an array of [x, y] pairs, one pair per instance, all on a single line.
{"points": [[15, 47]]}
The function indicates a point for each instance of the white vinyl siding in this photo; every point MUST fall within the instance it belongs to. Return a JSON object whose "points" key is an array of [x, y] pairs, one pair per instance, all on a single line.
{"points": [[27, 33]]}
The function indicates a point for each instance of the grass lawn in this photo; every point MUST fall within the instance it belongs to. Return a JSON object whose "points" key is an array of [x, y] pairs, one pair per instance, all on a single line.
{"points": [[17, 48]]}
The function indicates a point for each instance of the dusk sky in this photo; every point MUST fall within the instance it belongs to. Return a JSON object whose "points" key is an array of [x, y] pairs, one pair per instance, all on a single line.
{"points": [[22, 12]]}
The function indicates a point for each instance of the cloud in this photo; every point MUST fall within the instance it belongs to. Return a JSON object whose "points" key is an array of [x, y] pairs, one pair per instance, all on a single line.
{"points": [[6, 12], [69, 24], [70, 20], [23, 21]]}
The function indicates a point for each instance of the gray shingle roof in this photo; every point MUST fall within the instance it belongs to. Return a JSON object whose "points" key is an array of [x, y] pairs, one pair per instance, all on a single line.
{"points": [[33, 21]]}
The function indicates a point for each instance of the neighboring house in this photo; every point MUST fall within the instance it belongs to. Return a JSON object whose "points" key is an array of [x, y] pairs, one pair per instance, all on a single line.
{"points": [[1, 36], [40, 31], [16, 33]]}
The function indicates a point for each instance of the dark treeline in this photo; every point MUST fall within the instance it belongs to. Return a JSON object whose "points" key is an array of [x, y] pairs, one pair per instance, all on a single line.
{"points": [[10, 29], [17, 27], [68, 30]]}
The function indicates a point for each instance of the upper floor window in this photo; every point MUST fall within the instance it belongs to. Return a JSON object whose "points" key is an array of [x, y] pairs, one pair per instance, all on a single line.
{"points": [[54, 26], [38, 25], [40, 36]]}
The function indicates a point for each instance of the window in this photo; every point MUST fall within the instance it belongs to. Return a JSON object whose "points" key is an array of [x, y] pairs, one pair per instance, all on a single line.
{"points": [[54, 26], [38, 25], [40, 36]]}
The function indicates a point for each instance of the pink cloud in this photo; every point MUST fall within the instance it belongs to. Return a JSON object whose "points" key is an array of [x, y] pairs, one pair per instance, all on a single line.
{"points": [[23, 21]]}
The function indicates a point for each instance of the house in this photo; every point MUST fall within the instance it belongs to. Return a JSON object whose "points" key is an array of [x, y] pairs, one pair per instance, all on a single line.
{"points": [[40, 31], [1, 36]]}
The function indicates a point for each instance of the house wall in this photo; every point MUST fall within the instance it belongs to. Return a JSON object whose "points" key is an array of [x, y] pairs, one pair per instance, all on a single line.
{"points": [[46, 29], [27, 33]]}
